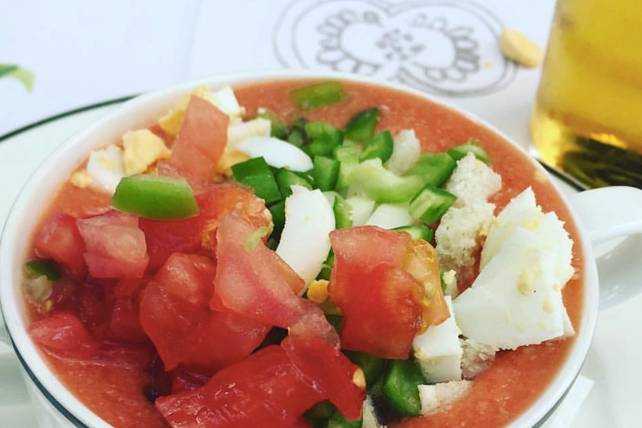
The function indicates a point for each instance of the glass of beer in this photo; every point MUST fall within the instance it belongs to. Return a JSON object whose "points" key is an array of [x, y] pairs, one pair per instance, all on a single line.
{"points": [[588, 115]]}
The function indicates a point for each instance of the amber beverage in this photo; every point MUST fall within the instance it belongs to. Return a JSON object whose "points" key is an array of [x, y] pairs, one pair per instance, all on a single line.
{"points": [[588, 115]]}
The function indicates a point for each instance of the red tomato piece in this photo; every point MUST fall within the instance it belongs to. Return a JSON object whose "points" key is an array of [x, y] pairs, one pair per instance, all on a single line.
{"points": [[330, 372], [201, 139], [270, 388], [175, 314], [65, 335], [185, 380], [381, 303], [250, 281], [215, 200], [166, 237], [60, 240], [115, 245], [124, 322], [264, 390]]}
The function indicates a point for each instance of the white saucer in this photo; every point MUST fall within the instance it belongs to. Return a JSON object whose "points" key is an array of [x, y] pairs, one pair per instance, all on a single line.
{"points": [[614, 362]]}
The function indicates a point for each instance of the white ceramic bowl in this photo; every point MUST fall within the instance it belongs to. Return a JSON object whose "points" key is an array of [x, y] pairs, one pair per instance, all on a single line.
{"points": [[56, 406]]}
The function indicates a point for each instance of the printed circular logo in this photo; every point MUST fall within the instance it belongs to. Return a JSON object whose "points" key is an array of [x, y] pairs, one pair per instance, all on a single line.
{"points": [[444, 47]]}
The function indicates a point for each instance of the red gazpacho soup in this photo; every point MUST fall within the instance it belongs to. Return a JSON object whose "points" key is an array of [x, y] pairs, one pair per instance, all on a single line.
{"points": [[305, 254]]}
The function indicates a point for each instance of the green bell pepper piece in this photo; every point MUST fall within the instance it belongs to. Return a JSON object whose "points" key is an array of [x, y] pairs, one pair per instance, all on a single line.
{"points": [[257, 174], [429, 205], [278, 218], [471, 146], [400, 387], [325, 172], [325, 138], [433, 168], [317, 95], [380, 146], [373, 367], [362, 125], [286, 179], [418, 231], [348, 154], [155, 197], [381, 185], [342, 213], [43, 267], [337, 420]]}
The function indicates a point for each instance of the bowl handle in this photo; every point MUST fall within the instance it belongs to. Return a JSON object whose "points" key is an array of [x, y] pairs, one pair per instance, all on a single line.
{"points": [[606, 214]]}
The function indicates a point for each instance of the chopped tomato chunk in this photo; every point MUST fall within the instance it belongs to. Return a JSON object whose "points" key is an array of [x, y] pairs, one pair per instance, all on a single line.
{"points": [[331, 372], [64, 334], [115, 245], [201, 139], [214, 200], [175, 314], [66, 337], [60, 240], [380, 301], [250, 280], [270, 388]]}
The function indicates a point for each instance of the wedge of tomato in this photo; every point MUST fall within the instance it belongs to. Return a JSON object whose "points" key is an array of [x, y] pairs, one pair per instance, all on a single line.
{"points": [[115, 245], [192, 235], [383, 304], [59, 239], [253, 280], [271, 388], [175, 314], [201, 140]]}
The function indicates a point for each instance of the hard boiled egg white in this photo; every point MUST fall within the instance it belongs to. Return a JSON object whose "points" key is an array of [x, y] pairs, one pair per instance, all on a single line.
{"points": [[305, 240], [106, 167], [277, 153]]}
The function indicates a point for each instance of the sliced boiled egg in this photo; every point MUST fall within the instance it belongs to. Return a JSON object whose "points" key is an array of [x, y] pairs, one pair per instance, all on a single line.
{"points": [[305, 240], [277, 153], [438, 350], [106, 167], [238, 132]]}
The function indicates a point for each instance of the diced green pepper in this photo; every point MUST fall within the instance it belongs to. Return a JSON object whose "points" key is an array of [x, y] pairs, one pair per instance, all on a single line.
{"points": [[373, 367], [257, 174], [348, 154], [380, 146], [155, 197], [278, 218], [342, 213], [337, 420], [400, 387], [319, 414], [278, 128], [419, 231], [325, 172], [471, 146], [429, 205], [381, 185], [296, 138], [433, 168], [286, 179], [43, 267], [317, 95], [362, 125], [325, 138]]}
